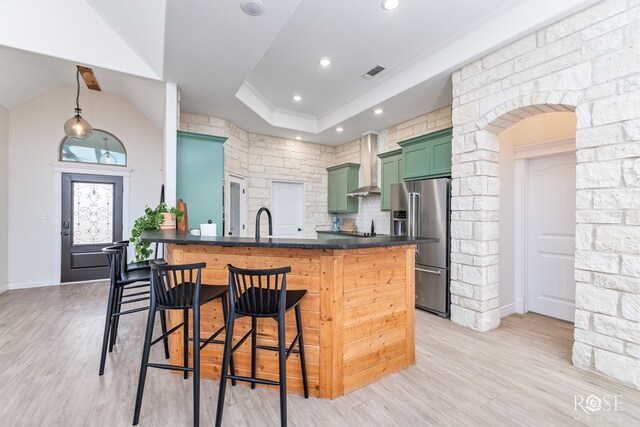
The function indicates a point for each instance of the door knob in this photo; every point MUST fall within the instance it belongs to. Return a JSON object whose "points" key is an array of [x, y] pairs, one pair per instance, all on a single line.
{"points": [[65, 225], [299, 229]]}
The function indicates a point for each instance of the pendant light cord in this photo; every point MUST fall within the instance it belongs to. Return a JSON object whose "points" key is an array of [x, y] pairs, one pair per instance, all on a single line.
{"points": [[78, 91]]}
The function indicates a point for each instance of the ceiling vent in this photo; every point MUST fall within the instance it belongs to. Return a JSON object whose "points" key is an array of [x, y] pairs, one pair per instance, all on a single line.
{"points": [[373, 72]]}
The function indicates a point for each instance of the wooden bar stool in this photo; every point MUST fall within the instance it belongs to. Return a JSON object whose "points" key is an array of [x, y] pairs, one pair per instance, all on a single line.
{"points": [[137, 283], [179, 287], [262, 293]]}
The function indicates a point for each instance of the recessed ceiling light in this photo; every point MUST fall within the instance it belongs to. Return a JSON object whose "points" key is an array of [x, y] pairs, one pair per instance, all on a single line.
{"points": [[325, 62], [252, 7], [339, 129], [390, 4], [298, 138], [297, 98], [377, 111]]}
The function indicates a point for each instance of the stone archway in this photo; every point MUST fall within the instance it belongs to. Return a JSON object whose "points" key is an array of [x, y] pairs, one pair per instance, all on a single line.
{"points": [[475, 209]]}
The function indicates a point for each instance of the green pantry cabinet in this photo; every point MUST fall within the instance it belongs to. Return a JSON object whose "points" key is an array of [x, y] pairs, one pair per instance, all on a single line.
{"points": [[200, 174], [427, 156], [392, 173], [342, 179]]}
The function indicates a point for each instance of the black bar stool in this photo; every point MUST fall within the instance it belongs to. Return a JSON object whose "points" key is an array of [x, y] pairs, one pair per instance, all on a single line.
{"points": [[262, 293], [142, 269], [137, 282], [178, 287]]}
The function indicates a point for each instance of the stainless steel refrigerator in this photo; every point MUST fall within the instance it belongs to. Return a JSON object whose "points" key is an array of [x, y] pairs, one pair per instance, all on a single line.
{"points": [[422, 208]]}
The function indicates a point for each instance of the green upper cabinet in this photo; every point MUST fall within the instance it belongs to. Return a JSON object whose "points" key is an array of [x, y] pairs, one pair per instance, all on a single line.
{"points": [[392, 173], [427, 156], [200, 174], [342, 179]]}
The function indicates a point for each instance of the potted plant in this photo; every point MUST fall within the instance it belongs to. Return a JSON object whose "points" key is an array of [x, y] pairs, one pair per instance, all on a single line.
{"points": [[152, 219]]}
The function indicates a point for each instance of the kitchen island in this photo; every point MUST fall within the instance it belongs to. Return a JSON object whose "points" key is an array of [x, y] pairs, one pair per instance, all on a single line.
{"points": [[357, 315]]}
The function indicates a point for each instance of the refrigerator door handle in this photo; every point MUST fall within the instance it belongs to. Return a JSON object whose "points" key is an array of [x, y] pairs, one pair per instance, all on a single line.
{"points": [[416, 213], [410, 216], [413, 214], [438, 272]]}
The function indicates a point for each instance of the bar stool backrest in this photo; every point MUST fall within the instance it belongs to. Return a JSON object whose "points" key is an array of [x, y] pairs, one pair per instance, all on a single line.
{"points": [[123, 246], [114, 255], [258, 292], [176, 286]]}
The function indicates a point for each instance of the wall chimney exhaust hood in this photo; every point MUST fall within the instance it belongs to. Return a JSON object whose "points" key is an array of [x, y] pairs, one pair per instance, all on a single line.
{"points": [[369, 164]]}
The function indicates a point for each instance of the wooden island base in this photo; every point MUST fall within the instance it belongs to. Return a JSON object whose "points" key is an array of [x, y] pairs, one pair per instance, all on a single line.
{"points": [[358, 314]]}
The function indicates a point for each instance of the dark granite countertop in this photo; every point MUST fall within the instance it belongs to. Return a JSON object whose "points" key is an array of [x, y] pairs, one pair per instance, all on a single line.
{"points": [[183, 238]]}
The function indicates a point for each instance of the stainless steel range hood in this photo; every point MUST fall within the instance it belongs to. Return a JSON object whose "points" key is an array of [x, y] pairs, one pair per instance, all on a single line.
{"points": [[369, 165]]}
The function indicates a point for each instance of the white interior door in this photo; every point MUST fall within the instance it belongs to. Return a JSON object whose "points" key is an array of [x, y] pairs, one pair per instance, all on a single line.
{"points": [[551, 207], [237, 222], [288, 209]]}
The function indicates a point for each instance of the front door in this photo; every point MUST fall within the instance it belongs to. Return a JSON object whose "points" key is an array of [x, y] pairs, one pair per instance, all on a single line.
{"points": [[91, 220], [551, 207], [288, 209]]}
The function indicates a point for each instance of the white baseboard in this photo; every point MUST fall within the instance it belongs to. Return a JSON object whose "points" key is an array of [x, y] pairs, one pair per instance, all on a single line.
{"points": [[31, 285], [4, 287], [520, 306], [508, 310]]}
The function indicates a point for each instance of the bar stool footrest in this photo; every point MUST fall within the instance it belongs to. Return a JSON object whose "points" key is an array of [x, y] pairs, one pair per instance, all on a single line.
{"points": [[166, 334], [289, 350], [252, 380], [212, 339], [134, 310], [169, 367], [132, 300]]}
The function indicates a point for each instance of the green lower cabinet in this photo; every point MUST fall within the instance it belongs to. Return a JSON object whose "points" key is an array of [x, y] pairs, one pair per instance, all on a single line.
{"points": [[342, 179], [392, 169], [427, 156]]}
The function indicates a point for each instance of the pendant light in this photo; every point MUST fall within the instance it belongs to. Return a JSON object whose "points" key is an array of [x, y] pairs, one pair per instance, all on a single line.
{"points": [[76, 126]]}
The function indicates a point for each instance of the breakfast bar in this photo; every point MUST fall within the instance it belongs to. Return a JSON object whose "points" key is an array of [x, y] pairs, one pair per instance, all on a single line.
{"points": [[357, 315]]}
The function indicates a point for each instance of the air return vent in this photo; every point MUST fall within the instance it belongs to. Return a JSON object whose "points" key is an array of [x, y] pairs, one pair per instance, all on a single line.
{"points": [[373, 72]]}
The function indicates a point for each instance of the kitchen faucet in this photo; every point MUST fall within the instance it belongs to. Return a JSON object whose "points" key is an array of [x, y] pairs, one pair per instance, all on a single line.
{"points": [[263, 209]]}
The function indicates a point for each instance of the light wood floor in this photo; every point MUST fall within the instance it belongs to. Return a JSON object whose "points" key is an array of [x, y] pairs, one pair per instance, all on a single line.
{"points": [[519, 374]]}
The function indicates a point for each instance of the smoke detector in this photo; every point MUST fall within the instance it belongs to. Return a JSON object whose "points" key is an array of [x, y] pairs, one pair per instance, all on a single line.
{"points": [[252, 7]]}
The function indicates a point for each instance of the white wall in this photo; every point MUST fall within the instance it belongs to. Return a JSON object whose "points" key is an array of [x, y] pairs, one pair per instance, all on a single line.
{"points": [[4, 189], [534, 130], [35, 133]]}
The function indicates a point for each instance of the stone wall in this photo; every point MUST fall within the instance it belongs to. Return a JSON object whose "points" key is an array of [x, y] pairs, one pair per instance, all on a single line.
{"points": [[278, 159], [421, 125], [262, 159], [588, 63]]}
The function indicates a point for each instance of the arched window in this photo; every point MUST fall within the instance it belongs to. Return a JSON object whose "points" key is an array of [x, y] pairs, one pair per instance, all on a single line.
{"points": [[102, 148]]}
